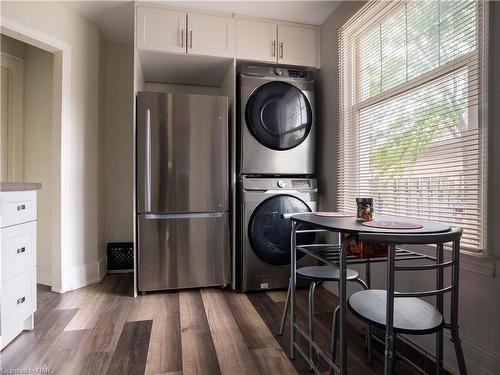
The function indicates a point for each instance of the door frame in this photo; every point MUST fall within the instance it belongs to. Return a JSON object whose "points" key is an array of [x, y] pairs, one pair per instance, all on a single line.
{"points": [[61, 157], [15, 127]]}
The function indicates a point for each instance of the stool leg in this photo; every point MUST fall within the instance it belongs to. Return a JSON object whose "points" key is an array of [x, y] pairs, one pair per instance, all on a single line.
{"points": [[439, 306], [458, 350], [368, 339], [454, 308], [368, 330], [335, 323], [389, 327], [285, 311], [311, 318]]}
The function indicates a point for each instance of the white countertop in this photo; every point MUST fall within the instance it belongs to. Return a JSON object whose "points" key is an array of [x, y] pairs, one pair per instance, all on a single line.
{"points": [[20, 186]]}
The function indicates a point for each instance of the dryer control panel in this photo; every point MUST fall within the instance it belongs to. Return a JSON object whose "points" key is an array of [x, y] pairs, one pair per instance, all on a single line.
{"points": [[274, 72]]}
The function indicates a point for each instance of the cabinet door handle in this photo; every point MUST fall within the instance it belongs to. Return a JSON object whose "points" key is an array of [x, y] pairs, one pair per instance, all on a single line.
{"points": [[281, 50], [21, 207], [182, 38], [274, 48], [21, 300], [21, 250], [191, 39]]}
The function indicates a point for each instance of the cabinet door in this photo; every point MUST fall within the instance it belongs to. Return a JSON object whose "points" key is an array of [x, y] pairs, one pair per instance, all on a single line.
{"points": [[298, 45], [161, 30], [210, 35], [256, 40]]}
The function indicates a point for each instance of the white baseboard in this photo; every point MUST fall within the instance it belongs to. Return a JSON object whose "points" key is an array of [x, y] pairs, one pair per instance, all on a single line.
{"points": [[87, 274], [43, 278], [103, 267]]}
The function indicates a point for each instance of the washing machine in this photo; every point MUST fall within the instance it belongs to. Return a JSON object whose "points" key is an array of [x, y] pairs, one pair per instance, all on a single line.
{"points": [[264, 235], [277, 121]]}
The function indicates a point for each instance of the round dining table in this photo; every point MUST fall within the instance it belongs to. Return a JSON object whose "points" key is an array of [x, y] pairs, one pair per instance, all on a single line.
{"points": [[409, 231]]}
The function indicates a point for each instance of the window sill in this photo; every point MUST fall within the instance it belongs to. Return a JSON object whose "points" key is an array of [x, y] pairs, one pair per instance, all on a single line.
{"points": [[474, 262]]}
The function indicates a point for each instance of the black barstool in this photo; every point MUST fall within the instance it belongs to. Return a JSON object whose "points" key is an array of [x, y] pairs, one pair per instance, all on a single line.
{"points": [[318, 274], [405, 312]]}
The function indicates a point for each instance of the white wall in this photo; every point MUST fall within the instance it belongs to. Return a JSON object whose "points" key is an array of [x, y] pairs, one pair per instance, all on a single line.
{"points": [[118, 142], [480, 294], [38, 68], [51, 18]]}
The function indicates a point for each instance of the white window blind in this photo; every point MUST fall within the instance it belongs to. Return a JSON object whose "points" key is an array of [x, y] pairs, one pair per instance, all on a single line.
{"points": [[412, 107]]}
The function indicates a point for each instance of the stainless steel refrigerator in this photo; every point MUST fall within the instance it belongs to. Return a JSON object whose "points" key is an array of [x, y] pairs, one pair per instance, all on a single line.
{"points": [[182, 191]]}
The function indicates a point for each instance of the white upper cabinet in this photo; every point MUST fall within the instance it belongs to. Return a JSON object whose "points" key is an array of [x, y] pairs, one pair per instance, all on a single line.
{"points": [[298, 45], [161, 29], [185, 32], [210, 35], [256, 40]]}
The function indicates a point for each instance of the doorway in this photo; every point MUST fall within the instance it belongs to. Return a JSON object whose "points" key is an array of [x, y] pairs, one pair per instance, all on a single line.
{"points": [[58, 156], [27, 144]]}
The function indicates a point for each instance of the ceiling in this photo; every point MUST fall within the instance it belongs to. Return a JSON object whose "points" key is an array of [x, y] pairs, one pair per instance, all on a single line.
{"points": [[114, 18]]}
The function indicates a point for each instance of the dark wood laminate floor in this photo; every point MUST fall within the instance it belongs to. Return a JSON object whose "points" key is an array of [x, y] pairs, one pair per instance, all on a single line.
{"points": [[100, 329]]}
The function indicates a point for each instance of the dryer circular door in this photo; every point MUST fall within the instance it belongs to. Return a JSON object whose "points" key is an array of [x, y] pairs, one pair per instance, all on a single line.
{"points": [[269, 234], [279, 115]]}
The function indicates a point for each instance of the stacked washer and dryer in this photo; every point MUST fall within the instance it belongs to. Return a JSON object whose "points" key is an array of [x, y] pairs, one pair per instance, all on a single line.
{"points": [[276, 147]]}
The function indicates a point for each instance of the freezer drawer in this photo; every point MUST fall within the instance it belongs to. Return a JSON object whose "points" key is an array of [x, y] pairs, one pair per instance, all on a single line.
{"points": [[183, 251]]}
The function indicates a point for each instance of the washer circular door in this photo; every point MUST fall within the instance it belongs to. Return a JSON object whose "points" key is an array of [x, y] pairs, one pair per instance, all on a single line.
{"points": [[279, 115], [269, 234]]}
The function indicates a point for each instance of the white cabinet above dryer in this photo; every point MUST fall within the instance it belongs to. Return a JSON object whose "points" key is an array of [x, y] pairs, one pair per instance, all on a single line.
{"points": [[256, 40], [298, 45], [268, 41]]}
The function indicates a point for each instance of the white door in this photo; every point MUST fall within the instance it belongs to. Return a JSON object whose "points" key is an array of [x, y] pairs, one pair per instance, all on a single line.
{"points": [[256, 40], [298, 45], [210, 35], [12, 126], [4, 136], [161, 30]]}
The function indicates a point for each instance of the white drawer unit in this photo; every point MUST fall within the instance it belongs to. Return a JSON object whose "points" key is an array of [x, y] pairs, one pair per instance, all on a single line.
{"points": [[17, 263], [18, 306], [18, 296], [17, 207], [18, 249]]}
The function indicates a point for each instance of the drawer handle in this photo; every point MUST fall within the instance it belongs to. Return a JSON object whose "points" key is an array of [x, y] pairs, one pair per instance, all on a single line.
{"points": [[21, 207], [21, 250], [21, 300]]}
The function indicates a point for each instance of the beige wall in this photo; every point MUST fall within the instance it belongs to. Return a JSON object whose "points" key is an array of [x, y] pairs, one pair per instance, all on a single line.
{"points": [[480, 294], [80, 249], [12, 46], [38, 68], [118, 142]]}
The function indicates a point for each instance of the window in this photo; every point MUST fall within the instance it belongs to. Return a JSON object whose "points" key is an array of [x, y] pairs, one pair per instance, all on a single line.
{"points": [[411, 114]]}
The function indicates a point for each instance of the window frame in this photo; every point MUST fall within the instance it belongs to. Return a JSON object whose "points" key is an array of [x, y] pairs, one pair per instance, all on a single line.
{"points": [[350, 92]]}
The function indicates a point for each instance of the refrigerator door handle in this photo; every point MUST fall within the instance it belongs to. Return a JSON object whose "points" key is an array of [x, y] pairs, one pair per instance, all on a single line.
{"points": [[147, 169], [187, 215]]}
